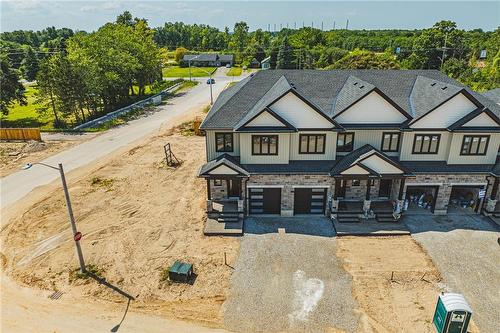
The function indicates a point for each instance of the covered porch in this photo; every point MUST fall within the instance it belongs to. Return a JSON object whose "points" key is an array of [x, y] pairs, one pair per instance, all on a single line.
{"points": [[368, 186], [225, 204]]}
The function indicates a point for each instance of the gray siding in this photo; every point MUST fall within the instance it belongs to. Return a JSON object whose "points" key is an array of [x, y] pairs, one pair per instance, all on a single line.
{"points": [[456, 146], [330, 147], [407, 147], [210, 144], [371, 137], [246, 150]]}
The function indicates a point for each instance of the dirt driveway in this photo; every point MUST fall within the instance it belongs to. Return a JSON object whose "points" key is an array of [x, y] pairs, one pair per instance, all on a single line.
{"points": [[465, 249]]}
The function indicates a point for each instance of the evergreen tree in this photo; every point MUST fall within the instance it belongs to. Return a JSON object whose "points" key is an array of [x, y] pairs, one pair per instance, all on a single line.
{"points": [[30, 65], [12, 90], [285, 56]]}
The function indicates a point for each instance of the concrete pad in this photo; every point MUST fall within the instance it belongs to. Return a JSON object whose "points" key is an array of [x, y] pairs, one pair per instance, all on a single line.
{"points": [[314, 225], [216, 228], [370, 229]]}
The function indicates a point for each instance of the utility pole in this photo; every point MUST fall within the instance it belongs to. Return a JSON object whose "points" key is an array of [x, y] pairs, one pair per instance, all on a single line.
{"points": [[347, 24], [281, 26], [334, 25], [444, 51], [321, 25], [274, 27], [269, 27], [294, 25]]}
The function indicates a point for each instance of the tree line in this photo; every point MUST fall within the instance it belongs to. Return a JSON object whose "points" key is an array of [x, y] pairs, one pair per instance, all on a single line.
{"points": [[87, 74]]}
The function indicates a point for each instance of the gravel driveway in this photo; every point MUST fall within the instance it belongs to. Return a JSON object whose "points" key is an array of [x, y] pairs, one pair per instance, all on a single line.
{"points": [[289, 283], [465, 249]]}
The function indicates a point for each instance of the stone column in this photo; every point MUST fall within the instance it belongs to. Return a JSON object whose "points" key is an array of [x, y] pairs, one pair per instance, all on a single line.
{"points": [[367, 202]]}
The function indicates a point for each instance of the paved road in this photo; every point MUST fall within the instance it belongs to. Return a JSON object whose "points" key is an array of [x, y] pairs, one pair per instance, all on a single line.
{"points": [[19, 184]]}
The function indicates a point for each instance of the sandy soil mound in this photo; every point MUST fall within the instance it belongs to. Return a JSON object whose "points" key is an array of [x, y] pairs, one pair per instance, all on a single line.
{"points": [[137, 216]]}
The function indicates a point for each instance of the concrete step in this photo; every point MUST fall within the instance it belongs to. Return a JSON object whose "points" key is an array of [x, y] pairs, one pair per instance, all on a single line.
{"points": [[348, 219], [228, 219]]}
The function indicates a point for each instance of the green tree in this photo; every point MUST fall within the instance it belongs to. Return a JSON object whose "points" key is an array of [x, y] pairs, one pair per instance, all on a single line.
{"points": [[240, 36], [285, 59], [359, 59], [12, 90], [179, 54], [125, 18], [30, 65]]}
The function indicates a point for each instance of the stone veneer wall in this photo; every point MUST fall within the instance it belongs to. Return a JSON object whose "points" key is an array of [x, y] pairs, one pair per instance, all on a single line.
{"points": [[288, 181], [218, 192], [445, 187]]}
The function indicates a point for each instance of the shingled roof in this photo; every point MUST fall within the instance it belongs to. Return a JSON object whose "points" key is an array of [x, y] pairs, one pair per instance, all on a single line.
{"points": [[411, 90]]}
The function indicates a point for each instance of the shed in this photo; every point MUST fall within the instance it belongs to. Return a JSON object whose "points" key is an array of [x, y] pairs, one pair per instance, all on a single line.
{"points": [[266, 63]]}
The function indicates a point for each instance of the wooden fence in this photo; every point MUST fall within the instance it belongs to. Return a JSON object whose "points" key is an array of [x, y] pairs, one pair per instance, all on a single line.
{"points": [[24, 134]]}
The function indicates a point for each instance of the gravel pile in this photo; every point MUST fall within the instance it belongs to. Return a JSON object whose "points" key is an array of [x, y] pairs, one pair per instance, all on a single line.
{"points": [[289, 283], [33, 146], [465, 250]]}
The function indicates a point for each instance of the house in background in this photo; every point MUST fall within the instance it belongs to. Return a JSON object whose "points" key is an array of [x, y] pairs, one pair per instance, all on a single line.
{"points": [[207, 60], [352, 142], [265, 63]]}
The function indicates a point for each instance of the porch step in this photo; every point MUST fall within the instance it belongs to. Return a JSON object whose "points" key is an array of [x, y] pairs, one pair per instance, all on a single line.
{"points": [[228, 219], [348, 217], [496, 214], [385, 217]]}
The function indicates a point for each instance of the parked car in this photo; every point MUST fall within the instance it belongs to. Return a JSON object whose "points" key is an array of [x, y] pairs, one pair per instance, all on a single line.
{"points": [[228, 65], [211, 81]]}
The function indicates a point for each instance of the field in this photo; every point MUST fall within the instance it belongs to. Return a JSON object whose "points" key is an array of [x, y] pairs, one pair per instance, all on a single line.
{"points": [[176, 71], [27, 115], [234, 71]]}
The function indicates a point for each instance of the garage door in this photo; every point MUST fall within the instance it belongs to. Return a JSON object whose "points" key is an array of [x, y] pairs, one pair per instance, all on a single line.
{"points": [[466, 199], [309, 200], [421, 198], [264, 200]]}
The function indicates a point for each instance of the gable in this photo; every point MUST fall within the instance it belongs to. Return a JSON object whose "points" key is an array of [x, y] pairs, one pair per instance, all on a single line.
{"points": [[447, 113], [298, 113], [355, 170], [372, 108], [222, 170], [265, 119], [481, 120], [379, 165]]}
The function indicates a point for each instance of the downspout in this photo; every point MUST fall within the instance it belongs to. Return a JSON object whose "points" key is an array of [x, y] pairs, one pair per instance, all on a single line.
{"points": [[485, 195]]}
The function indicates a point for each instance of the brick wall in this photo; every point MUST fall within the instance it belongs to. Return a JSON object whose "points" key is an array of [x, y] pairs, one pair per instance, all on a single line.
{"points": [[288, 181]]}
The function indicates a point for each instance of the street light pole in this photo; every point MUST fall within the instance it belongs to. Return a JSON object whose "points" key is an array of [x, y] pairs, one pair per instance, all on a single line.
{"points": [[211, 96], [70, 211]]}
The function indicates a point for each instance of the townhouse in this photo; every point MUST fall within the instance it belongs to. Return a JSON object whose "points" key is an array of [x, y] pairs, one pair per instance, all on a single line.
{"points": [[291, 142]]}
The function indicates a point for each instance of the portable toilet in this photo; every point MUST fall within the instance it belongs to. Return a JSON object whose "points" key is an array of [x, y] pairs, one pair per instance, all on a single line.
{"points": [[452, 313]]}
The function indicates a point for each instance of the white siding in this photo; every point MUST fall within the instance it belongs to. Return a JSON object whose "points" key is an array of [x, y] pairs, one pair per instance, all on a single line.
{"points": [[407, 146], [246, 150], [223, 170], [298, 113], [371, 137], [447, 114], [330, 147], [378, 165], [481, 120], [372, 109], [456, 146], [355, 170], [211, 148], [265, 119]]}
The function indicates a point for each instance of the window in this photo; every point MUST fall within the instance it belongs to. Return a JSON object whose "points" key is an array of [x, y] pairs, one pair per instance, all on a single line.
{"points": [[224, 142], [264, 145], [312, 143], [390, 142], [426, 143], [475, 145], [345, 142], [217, 182], [372, 182]]}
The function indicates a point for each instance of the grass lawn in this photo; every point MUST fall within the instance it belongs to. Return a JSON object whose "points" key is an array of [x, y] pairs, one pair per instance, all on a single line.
{"points": [[176, 71], [234, 71], [26, 115]]}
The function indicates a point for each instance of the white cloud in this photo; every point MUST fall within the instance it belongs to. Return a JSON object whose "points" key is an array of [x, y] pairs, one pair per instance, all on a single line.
{"points": [[25, 4]]}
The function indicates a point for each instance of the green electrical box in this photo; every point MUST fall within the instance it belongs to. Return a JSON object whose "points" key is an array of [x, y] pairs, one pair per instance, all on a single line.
{"points": [[180, 272], [452, 313]]}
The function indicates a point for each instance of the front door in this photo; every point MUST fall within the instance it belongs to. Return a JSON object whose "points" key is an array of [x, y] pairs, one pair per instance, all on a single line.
{"points": [[233, 187], [385, 188]]}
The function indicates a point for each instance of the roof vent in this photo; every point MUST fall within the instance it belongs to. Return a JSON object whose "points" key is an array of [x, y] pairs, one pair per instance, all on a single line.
{"points": [[355, 83], [433, 84], [444, 88], [361, 87]]}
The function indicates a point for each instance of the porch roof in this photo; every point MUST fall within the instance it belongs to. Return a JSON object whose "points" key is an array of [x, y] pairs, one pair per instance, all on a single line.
{"points": [[224, 165], [368, 161]]}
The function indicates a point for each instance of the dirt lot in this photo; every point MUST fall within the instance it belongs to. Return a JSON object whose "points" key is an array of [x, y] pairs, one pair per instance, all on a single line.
{"points": [[137, 216], [13, 155], [405, 305]]}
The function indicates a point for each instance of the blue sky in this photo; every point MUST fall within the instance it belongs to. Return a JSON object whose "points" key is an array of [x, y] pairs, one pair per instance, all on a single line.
{"points": [[89, 15]]}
